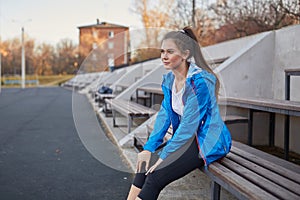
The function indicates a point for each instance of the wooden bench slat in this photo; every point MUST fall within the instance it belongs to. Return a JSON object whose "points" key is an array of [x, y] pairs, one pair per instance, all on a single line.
{"points": [[271, 185], [266, 156], [129, 109], [136, 109], [270, 175], [236, 184], [269, 165], [123, 106], [231, 119], [270, 105], [121, 109]]}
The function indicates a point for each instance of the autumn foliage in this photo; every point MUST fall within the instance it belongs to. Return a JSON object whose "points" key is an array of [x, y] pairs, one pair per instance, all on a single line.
{"points": [[219, 20], [41, 59]]}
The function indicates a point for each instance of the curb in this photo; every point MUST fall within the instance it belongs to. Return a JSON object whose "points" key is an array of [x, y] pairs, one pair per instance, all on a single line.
{"points": [[109, 133]]}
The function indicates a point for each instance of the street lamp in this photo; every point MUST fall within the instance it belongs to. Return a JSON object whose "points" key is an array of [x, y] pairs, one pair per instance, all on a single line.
{"points": [[23, 59], [0, 71], [23, 54]]}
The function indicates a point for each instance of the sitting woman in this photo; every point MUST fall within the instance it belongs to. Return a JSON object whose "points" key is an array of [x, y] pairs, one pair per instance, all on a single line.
{"points": [[200, 137]]}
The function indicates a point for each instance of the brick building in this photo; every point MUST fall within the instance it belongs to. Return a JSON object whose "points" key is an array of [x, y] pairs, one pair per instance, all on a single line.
{"points": [[103, 45]]}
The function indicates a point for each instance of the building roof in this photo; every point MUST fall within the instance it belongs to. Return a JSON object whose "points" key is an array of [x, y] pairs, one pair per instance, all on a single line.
{"points": [[103, 25]]}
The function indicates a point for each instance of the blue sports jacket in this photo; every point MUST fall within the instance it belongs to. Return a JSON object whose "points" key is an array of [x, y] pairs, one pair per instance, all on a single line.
{"points": [[201, 117]]}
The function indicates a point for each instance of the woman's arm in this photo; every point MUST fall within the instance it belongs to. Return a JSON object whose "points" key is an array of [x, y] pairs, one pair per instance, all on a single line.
{"points": [[162, 124]]}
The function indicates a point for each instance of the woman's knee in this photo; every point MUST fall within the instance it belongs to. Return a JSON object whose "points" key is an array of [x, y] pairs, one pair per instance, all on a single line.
{"points": [[155, 180], [152, 187]]}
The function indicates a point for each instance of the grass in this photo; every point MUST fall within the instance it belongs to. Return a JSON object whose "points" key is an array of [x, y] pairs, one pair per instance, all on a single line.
{"points": [[53, 80]]}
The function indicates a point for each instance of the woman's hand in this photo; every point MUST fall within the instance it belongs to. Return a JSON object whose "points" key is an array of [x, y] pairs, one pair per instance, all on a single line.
{"points": [[143, 156], [154, 166]]}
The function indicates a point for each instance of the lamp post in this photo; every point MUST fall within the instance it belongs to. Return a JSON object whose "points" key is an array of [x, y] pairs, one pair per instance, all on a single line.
{"points": [[23, 67], [23, 60], [0, 71]]}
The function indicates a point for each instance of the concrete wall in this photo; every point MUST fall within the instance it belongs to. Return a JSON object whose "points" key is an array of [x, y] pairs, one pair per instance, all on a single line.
{"points": [[257, 70], [101, 77], [136, 72], [153, 77], [128, 77], [248, 73], [227, 48], [114, 76], [287, 56]]}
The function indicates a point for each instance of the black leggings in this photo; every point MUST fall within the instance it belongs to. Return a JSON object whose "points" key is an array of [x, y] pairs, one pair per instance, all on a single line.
{"points": [[175, 166]]}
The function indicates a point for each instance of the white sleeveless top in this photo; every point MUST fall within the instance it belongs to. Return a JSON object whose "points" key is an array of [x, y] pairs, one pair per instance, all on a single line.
{"points": [[177, 103]]}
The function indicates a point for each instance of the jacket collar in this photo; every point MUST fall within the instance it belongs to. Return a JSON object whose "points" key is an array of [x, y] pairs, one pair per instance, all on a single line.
{"points": [[168, 78]]}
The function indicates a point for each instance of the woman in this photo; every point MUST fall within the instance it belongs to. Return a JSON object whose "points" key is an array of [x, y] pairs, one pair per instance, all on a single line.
{"points": [[190, 106]]}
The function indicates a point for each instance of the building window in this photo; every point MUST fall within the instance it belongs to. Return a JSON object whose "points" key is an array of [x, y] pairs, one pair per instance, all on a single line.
{"points": [[111, 60], [110, 45], [95, 34], [110, 34], [95, 45]]}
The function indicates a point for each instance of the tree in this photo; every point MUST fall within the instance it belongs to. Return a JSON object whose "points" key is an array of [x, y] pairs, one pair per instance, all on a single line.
{"points": [[66, 57], [41, 59], [6, 56], [139, 55], [45, 56], [154, 16], [244, 18], [292, 9], [181, 16], [13, 60], [29, 55]]}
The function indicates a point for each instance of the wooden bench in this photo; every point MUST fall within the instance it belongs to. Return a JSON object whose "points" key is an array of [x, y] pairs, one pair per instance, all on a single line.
{"points": [[252, 174], [129, 109], [101, 102], [249, 173], [149, 93], [234, 119], [271, 106]]}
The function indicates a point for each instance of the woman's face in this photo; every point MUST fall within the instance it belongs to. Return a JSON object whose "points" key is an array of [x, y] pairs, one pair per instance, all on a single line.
{"points": [[171, 56]]}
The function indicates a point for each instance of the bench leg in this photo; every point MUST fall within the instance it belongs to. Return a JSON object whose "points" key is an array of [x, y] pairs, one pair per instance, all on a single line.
{"points": [[105, 109], [114, 118], [215, 190], [286, 136], [250, 126], [272, 129], [130, 122]]}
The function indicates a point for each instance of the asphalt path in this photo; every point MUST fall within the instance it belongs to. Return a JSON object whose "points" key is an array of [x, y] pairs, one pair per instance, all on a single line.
{"points": [[42, 156]]}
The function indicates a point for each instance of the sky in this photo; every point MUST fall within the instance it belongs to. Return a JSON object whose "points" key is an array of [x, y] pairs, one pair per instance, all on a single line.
{"points": [[52, 20]]}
